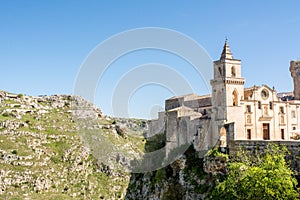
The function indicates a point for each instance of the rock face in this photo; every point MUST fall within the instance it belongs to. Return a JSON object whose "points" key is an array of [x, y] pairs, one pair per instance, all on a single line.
{"points": [[42, 156], [189, 177], [295, 73]]}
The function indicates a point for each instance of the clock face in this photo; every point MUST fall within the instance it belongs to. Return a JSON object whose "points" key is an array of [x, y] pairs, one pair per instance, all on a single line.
{"points": [[264, 94]]}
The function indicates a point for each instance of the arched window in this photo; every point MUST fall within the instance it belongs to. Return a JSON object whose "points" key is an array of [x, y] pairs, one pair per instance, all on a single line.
{"points": [[220, 71], [234, 98], [233, 74]]}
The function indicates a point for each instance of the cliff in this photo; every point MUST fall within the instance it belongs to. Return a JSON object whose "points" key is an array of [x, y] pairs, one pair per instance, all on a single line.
{"points": [[42, 156]]}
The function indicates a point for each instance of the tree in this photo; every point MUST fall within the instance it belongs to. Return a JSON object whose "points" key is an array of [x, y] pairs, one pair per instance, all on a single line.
{"points": [[263, 176]]}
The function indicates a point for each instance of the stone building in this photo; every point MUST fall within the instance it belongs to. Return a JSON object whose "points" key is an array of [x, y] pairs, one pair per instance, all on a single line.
{"points": [[231, 111]]}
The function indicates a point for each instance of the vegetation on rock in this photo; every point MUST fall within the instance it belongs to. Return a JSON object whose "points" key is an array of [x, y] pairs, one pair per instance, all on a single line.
{"points": [[42, 156], [265, 175]]}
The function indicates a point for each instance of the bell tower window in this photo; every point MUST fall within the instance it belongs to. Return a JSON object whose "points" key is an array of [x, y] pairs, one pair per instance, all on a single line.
{"points": [[233, 73], [220, 71], [235, 98]]}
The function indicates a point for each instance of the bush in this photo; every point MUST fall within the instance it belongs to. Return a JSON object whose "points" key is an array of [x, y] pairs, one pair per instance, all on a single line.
{"points": [[5, 114], [267, 177]]}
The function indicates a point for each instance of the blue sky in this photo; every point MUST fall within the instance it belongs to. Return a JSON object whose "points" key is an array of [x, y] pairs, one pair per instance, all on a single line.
{"points": [[44, 43]]}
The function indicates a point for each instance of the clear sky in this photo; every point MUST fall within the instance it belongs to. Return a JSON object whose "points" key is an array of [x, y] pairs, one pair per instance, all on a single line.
{"points": [[44, 43]]}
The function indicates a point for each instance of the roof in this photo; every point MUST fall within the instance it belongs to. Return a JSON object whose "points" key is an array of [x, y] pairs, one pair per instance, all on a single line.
{"points": [[189, 97], [248, 92], [226, 53], [184, 111], [181, 108]]}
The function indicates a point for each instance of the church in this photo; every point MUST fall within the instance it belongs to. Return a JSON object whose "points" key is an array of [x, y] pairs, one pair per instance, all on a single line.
{"points": [[231, 112]]}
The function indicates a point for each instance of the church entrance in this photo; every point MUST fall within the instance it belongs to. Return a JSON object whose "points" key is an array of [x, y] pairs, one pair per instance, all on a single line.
{"points": [[266, 131]]}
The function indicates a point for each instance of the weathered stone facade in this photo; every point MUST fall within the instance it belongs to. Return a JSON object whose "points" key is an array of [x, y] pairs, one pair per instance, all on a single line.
{"points": [[257, 113], [295, 73]]}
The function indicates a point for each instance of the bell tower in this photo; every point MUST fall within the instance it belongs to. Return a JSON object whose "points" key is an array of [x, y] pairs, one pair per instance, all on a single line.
{"points": [[227, 87]]}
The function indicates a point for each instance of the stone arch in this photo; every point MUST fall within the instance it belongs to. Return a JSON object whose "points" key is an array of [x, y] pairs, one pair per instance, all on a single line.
{"points": [[235, 98]]}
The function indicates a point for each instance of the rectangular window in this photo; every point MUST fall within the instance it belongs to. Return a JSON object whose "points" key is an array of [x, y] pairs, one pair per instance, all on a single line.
{"points": [[259, 105], [248, 108], [248, 134], [293, 114], [282, 134], [281, 109], [271, 105]]}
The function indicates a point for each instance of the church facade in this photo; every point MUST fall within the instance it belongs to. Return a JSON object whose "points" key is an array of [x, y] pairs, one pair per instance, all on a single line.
{"points": [[255, 113]]}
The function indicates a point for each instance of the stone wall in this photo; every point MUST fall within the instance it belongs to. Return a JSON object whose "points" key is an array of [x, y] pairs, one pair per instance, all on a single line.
{"points": [[156, 126], [292, 146]]}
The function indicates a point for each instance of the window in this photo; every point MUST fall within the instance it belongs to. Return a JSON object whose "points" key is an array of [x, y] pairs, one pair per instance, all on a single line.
{"points": [[235, 98], [233, 74], [271, 105], [259, 105], [220, 71], [293, 114], [248, 134], [248, 108], [294, 128], [281, 109], [264, 94], [282, 134]]}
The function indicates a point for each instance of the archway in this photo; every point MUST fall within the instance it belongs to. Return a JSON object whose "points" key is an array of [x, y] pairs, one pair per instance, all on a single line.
{"points": [[235, 98]]}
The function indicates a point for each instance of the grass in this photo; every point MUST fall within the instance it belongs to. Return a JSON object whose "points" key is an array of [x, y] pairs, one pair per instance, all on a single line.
{"points": [[9, 101], [4, 117], [59, 147], [58, 122]]}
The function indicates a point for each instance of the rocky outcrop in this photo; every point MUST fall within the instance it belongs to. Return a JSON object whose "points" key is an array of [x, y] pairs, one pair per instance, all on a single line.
{"points": [[42, 156], [183, 179]]}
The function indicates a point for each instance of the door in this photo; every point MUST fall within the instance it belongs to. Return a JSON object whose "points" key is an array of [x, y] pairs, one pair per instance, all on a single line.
{"points": [[266, 131], [249, 134]]}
